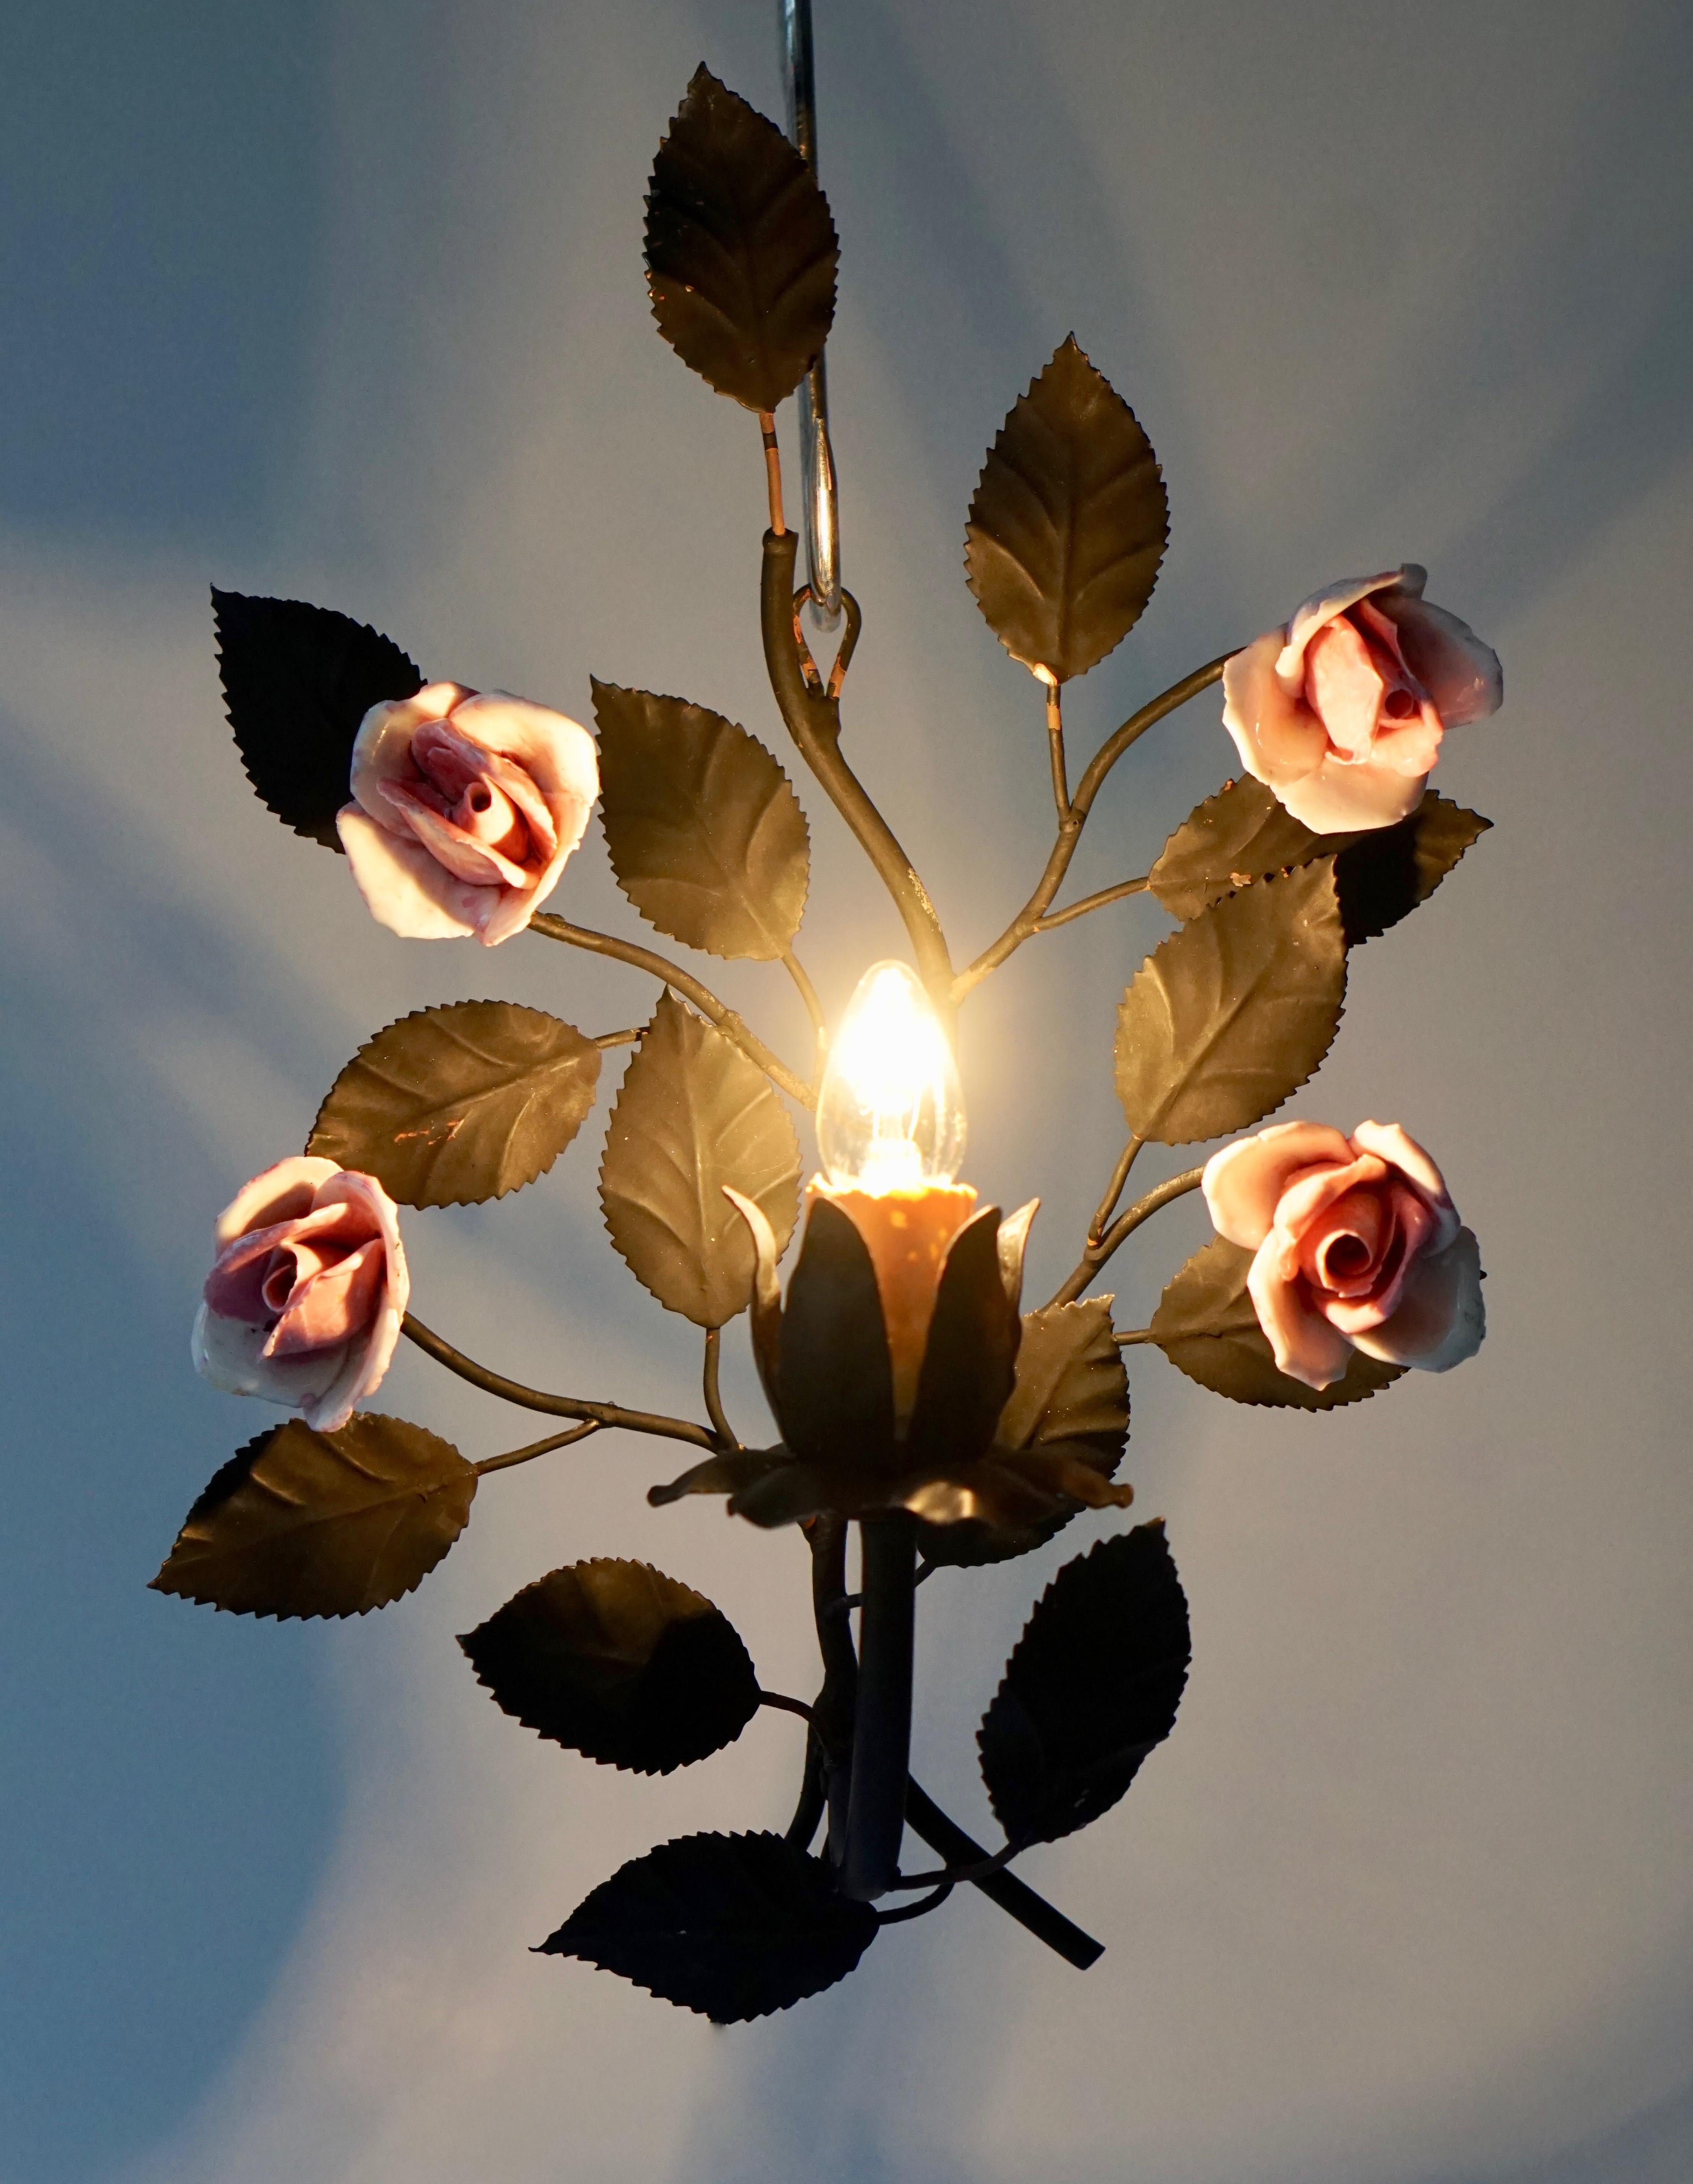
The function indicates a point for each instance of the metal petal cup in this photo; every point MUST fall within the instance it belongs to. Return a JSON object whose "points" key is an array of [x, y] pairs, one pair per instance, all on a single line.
{"points": [[827, 1360]]}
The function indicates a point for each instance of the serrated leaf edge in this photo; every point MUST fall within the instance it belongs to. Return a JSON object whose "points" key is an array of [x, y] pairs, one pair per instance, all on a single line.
{"points": [[441, 1008], [333, 1615], [669, 698]]}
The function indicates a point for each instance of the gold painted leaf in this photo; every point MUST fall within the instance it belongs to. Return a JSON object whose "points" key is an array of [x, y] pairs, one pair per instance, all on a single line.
{"points": [[1229, 1016], [1091, 1688], [706, 836], [298, 680], [1069, 522], [694, 1114], [1071, 1393], [731, 1926], [1381, 874], [617, 1661], [453, 1105], [1207, 1326], [300, 1523], [741, 251]]}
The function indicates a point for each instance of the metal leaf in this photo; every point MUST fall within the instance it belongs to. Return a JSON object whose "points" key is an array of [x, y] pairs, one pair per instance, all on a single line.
{"points": [[453, 1105], [727, 1472], [1071, 1384], [767, 1486], [1010, 1500], [1229, 1016], [969, 1357], [706, 836], [1207, 1327], [1386, 873], [298, 680], [617, 1661], [300, 1523], [765, 1321], [693, 1116], [1071, 1391], [1240, 835], [1382, 873], [1069, 522], [741, 251], [731, 1926], [834, 1377], [1091, 1688]]}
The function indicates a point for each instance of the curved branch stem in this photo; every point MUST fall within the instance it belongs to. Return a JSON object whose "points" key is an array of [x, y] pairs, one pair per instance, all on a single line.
{"points": [[1055, 918], [714, 1399], [1015, 1897], [813, 719], [773, 469], [1055, 744], [950, 1875], [930, 1902], [562, 1407], [813, 1008], [1134, 1334], [787, 1705], [1114, 1190], [1121, 1229], [672, 974], [538, 1448], [1028, 921], [814, 1794]]}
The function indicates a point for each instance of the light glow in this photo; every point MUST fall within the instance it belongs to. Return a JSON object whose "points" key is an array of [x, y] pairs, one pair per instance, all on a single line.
{"points": [[890, 1113]]}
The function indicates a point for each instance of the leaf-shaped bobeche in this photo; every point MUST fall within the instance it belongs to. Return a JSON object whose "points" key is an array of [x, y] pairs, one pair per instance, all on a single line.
{"points": [[705, 834], [741, 251], [1071, 1391], [733, 1926], [298, 680], [300, 1523], [617, 1661], [1229, 1016], [694, 1114], [1071, 1385], [1069, 522], [1243, 834], [1091, 1688], [453, 1105], [1207, 1326]]}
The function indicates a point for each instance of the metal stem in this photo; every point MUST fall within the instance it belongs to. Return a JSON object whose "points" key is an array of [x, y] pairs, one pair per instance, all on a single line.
{"points": [[562, 1407], [1031, 917], [819, 506], [832, 1717], [644, 958], [1015, 1897], [882, 1719], [1101, 1248]]}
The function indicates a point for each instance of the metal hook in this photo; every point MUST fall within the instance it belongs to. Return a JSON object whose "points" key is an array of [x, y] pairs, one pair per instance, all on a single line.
{"points": [[818, 499]]}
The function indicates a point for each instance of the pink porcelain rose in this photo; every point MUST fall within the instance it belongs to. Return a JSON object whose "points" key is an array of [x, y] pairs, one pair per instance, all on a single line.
{"points": [[305, 1297], [465, 805], [1340, 715], [1357, 1246]]}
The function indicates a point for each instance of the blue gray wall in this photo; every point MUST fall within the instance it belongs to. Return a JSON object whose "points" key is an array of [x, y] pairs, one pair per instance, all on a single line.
{"points": [[343, 302]]}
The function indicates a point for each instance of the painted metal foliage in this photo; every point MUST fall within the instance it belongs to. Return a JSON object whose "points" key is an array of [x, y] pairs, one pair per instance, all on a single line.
{"points": [[1337, 1266]]}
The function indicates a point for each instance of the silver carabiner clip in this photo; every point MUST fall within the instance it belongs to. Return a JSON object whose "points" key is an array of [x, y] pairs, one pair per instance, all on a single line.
{"points": [[817, 489]]}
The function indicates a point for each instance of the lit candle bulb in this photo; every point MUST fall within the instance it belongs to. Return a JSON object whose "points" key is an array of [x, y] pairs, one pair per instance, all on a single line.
{"points": [[890, 1114], [890, 1131]]}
